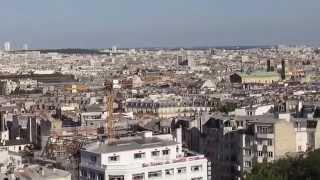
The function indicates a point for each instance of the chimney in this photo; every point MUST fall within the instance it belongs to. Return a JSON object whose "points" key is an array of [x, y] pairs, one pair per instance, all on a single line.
{"points": [[179, 135], [3, 126], [268, 65], [42, 171]]}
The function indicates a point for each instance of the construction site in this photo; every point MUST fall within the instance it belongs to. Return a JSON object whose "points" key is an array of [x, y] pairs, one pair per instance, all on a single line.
{"points": [[62, 147]]}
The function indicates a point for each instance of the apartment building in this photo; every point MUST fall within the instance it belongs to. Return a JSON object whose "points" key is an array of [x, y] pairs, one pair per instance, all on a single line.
{"points": [[235, 145], [170, 106], [142, 158], [94, 116]]}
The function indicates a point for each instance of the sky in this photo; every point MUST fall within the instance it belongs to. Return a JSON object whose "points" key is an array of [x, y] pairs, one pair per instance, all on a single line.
{"points": [[158, 23]]}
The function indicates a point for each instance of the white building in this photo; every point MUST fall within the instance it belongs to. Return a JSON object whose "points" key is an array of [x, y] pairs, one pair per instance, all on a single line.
{"points": [[40, 172], [28, 84], [95, 116], [9, 160], [7, 46], [255, 110], [9, 86], [142, 158]]}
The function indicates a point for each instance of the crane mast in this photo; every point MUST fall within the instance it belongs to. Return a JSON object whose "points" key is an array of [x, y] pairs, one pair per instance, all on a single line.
{"points": [[110, 121]]}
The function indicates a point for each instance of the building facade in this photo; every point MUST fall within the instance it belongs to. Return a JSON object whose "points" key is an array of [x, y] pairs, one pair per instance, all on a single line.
{"points": [[145, 158]]}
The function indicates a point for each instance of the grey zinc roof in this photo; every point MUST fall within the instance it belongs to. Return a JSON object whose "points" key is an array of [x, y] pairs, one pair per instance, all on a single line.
{"points": [[127, 145]]}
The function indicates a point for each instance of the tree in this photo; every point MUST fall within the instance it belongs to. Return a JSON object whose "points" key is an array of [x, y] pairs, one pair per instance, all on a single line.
{"points": [[301, 167], [228, 107]]}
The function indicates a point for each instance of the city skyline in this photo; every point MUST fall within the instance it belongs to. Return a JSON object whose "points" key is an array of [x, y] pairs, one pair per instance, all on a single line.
{"points": [[101, 24]]}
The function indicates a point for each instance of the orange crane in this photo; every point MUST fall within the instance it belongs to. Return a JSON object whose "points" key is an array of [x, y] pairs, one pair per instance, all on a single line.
{"points": [[111, 87], [109, 121]]}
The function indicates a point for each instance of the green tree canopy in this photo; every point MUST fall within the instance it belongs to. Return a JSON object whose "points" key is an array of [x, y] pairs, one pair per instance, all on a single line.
{"points": [[302, 167]]}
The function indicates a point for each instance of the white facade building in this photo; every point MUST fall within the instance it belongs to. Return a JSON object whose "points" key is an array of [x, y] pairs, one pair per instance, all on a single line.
{"points": [[142, 158], [41, 172], [7, 46], [9, 160], [28, 84]]}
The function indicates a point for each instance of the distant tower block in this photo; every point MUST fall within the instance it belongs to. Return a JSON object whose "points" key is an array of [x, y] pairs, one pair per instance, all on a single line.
{"points": [[7, 46], [212, 52], [25, 47], [114, 49]]}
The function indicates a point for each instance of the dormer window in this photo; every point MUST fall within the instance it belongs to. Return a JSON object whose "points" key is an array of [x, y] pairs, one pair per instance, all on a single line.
{"points": [[139, 155], [165, 152], [114, 158], [155, 153]]}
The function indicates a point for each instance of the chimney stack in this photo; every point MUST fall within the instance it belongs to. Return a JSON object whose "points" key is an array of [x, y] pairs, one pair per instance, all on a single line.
{"points": [[179, 135], [268, 65], [3, 126]]}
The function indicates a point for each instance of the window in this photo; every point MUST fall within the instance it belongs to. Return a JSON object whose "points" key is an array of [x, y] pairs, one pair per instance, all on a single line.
{"points": [[165, 152], [139, 176], [270, 154], [247, 164], [269, 142], [155, 153], [139, 155], [83, 173], [299, 148], [169, 172], [92, 175], [247, 152], [114, 158], [260, 153], [100, 176], [93, 159], [116, 177], [265, 129], [196, 168], [155, 174], [181, 170]]}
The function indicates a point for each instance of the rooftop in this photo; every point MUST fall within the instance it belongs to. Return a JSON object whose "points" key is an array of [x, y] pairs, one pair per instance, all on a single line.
{"points": [[260, 74], [39, 172], [128, 144]]}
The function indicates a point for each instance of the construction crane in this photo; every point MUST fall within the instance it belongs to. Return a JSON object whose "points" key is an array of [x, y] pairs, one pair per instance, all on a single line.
{"points": [[110, 121], [112, 88]]}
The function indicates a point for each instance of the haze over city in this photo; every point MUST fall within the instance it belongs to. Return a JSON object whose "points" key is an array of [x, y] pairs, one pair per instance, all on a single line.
{"points": [[159, 90], [161, 23]]}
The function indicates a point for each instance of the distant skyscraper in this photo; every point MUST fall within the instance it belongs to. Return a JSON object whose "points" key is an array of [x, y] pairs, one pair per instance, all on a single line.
{"points": [[114, 49], [212, 52], [25, 47], [7, 46]]}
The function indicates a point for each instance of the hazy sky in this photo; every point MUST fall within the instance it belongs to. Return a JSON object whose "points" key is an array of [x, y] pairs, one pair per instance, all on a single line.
{"points": [[142, 23]]}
